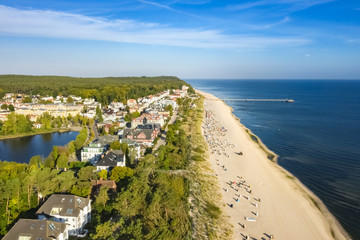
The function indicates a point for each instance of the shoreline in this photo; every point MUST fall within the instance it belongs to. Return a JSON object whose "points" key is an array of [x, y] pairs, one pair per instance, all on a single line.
{"points": [[329, 222], [59, 130]]}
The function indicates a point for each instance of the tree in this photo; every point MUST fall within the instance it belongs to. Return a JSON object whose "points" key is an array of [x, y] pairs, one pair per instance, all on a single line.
{"points": [[112, 130], [191, 90], [71, 147], [69, 100], [62, 161], [87, 173], [170, 109], [55, 152], [127, 118], [135, 114], [27, 100], [102, 174], [99, 114], [81, 188], [64, 181], [4, 106], [11, 108], [34, 163], [115, 145], [119, 173], [103, 196]]}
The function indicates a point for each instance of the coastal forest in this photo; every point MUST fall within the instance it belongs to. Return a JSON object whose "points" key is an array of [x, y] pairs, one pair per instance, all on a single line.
{"points": [[103, 90]]}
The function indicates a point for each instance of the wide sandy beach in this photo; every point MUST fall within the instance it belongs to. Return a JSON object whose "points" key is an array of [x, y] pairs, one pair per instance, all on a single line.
{"points": [[273, 200]]}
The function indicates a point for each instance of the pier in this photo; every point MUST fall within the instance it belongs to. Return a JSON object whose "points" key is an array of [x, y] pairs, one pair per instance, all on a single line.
{"points": [[261, 100]]}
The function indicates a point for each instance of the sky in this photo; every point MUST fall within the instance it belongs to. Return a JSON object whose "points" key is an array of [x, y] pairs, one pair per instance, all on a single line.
{"points": [[209, 39]]}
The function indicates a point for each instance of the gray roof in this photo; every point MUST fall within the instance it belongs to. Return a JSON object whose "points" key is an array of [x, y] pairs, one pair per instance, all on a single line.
{"points": [[36, 229], [108, 138], [136, 132], [66, 205], [148, 126], [111, 159]]}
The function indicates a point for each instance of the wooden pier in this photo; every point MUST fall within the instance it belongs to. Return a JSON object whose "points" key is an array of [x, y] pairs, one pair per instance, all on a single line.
{"points": [[261, 100]]}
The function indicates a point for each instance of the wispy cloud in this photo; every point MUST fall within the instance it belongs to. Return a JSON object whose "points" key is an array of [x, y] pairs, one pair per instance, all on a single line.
{"points": [[163, 6], [353, 40], [268, 25], [55, 24], [285, 6]]}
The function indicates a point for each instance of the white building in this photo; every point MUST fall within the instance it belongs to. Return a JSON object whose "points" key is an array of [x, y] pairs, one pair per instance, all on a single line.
{"points": [[72, 210], [93, 151], [29, 229], [111, 160]]}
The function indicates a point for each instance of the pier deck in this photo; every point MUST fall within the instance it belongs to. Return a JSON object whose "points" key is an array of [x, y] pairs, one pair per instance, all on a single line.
{"points": [[261, 100]]}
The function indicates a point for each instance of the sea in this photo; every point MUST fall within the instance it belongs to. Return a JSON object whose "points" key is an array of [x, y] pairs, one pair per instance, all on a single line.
{"points": [[317, 137]]}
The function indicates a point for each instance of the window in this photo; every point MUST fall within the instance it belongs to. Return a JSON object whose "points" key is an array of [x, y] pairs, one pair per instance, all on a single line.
{"points": [[55, 211], [69, 211], [52, 226], [22, 237]]}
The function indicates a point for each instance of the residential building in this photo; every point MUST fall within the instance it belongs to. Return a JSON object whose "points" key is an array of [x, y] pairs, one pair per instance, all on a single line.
{"points": [[132, 145], [131, 102], [92, 152], [148, 118], [114, 158], [145, 136], [34, 229], [73, 210]]}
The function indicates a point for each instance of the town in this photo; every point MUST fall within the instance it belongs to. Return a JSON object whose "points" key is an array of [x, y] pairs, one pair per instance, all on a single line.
{"points": [[119, 135]]}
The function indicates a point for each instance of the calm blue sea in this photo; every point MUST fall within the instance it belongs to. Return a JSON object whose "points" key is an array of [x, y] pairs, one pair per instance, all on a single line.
{"points": [[317, 137]]}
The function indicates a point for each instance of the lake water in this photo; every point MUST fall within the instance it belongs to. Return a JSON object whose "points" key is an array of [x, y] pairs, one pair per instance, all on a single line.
{"points": [[22, 149], [317, 137]]}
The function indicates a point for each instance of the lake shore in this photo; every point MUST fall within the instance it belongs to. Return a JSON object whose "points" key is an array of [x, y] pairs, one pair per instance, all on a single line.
{"points": [[60, 130], [274, 200]]}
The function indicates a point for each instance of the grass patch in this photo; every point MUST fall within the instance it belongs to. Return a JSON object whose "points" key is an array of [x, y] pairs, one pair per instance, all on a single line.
{"points": [[198, 158], [213, 210], [198, 150]]}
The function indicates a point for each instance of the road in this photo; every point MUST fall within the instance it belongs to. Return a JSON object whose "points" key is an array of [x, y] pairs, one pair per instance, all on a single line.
{"points": [[162, 139]]}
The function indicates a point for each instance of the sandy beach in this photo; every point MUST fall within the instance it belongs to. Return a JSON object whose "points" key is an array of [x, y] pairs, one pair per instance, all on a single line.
{"points": [[261, 198]]}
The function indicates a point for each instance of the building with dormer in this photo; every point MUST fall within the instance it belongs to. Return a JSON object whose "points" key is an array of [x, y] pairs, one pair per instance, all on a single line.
{"points": [[72, 210], [34, 229]]}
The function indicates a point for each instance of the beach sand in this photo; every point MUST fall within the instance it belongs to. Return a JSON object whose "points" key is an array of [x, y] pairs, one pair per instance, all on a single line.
{"points": [[280, 205]]}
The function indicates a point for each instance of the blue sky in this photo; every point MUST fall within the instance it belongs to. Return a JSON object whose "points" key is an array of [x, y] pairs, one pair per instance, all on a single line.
{"points": [[290, 39]]}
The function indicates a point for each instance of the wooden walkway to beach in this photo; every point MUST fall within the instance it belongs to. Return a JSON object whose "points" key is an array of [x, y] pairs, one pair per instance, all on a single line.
{"points": [[260, 100]]}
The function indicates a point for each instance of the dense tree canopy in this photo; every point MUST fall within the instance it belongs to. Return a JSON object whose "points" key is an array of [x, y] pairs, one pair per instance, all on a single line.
{"points": [[104, 90]]}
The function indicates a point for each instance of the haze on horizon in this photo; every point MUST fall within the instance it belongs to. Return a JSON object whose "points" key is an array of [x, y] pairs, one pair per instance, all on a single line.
{"points": [[285, 39]]}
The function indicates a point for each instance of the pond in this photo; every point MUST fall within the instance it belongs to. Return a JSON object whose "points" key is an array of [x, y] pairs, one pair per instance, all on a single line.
{"points": [[22, 149]]}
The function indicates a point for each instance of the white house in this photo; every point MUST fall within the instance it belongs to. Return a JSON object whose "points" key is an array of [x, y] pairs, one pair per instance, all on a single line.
{"points": [[33, 229], [111, 160], [93, 151], [72, 210]]}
